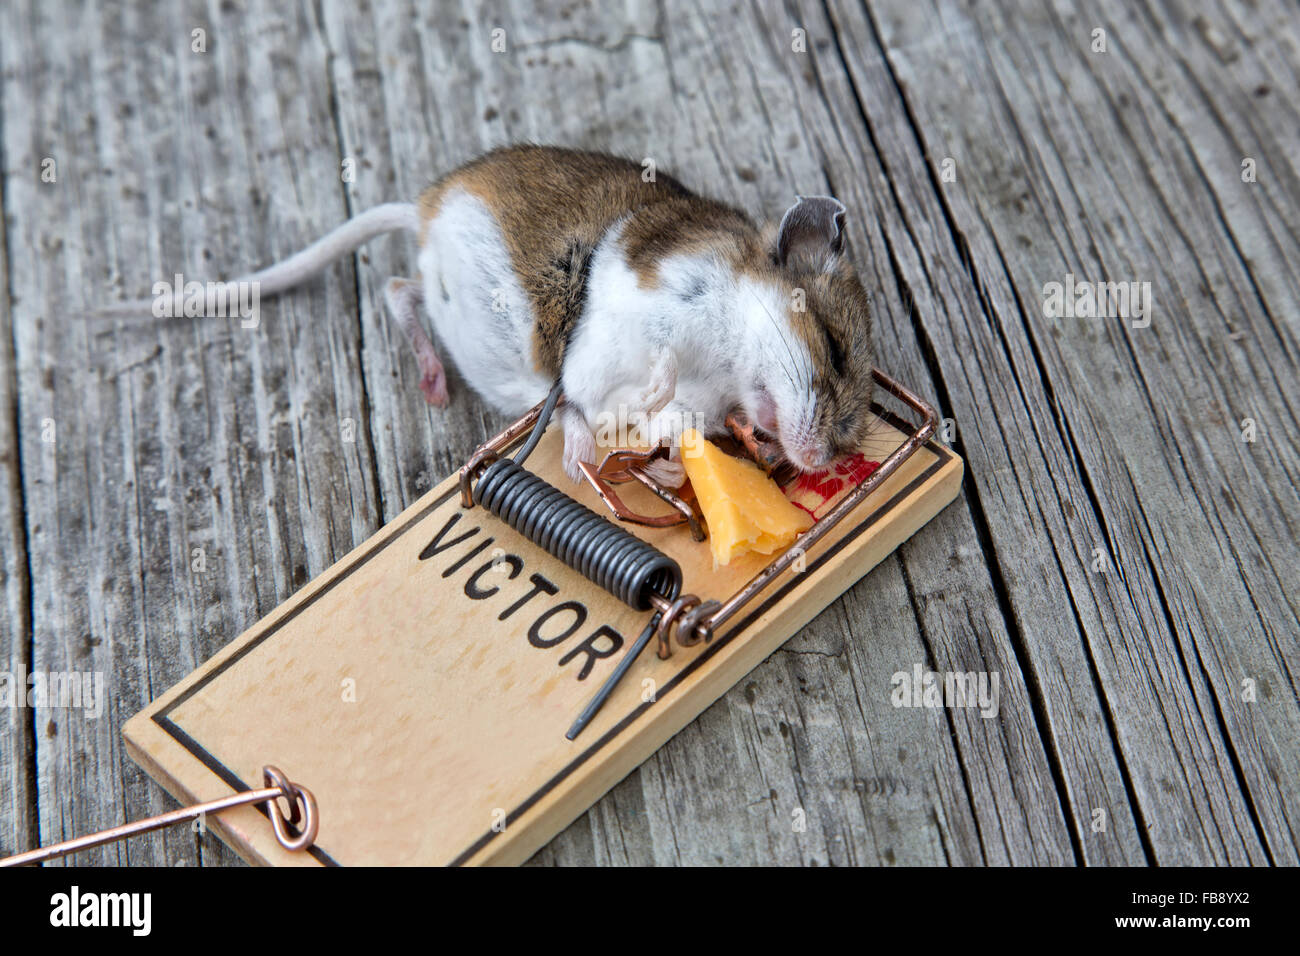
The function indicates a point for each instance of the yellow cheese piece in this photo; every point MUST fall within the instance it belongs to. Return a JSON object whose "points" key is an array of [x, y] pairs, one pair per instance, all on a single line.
{"points": [[744, 508]]}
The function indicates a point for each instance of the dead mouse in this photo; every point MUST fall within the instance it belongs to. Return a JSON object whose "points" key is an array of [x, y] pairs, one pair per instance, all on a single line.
{"points": [[650, 303]]}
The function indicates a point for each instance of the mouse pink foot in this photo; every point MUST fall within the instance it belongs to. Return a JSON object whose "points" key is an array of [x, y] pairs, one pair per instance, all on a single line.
{"points": [[405, 299], [433, 381]]}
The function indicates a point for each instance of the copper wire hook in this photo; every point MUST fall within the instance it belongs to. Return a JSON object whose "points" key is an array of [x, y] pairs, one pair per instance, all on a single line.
{"points": [[295, 833], [307, 822]]}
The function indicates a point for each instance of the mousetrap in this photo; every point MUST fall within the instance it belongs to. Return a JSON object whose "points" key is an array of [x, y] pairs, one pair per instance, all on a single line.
{"points": [[470, 680]]}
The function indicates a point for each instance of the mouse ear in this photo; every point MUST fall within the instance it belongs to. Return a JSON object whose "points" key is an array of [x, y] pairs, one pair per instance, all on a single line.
{"points": [[811, 234]]}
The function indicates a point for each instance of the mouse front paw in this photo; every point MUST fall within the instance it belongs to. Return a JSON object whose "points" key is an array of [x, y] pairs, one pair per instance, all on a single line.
{"points": [[579, 446]]}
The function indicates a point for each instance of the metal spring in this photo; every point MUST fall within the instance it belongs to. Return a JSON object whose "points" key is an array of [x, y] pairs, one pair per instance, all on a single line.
{"points": [[621, 563]]}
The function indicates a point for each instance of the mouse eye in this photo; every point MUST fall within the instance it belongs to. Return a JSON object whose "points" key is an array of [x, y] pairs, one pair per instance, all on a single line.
{"points": [[835, 350]]}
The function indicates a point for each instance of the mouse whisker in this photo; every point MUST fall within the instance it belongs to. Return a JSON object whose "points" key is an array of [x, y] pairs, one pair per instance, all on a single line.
{"points": [[791, 372]]}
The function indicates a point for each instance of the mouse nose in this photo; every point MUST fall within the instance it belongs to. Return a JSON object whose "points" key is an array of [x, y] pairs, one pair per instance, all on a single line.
{"points": [[824, 457], [814, 457]]}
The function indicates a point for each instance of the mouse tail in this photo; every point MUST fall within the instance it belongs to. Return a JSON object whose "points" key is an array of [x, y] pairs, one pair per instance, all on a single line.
{"points": [[298, 268], [357, 231]]}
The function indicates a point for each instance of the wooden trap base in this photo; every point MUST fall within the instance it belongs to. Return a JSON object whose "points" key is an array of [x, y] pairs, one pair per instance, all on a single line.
{"points": [[422, 686]]}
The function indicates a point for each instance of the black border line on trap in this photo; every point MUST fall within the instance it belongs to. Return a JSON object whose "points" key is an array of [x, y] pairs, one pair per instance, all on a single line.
{"points": [[231, 779]]}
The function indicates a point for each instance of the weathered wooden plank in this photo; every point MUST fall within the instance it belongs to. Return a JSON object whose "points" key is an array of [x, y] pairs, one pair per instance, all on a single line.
{"points": [[17, 769], [871, 148], [1126, 165], [1223, 103], [661, 86], [396, 135], [1057, 174], [202, 471]]}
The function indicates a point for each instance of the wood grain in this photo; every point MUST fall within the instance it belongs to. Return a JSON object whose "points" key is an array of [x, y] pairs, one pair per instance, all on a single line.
{"points": [[1146, 418], [17, 762], [1123, 689], [190, 435]]}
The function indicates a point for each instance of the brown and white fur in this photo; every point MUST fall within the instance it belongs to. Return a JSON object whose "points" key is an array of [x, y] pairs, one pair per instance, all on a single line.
{"points": [[538, 262]]}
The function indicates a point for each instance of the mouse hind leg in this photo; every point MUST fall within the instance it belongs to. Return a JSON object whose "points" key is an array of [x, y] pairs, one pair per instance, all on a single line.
{"points": [[405, 299]]}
